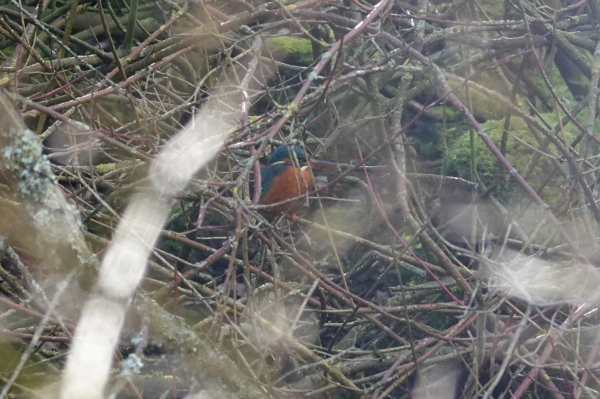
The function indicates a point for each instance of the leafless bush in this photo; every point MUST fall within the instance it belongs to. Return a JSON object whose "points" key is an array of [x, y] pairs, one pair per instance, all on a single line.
{"points": [[452, 252]]}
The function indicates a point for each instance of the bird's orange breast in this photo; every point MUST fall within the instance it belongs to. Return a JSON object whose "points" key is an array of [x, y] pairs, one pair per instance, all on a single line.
{"points": [[291, 183]]}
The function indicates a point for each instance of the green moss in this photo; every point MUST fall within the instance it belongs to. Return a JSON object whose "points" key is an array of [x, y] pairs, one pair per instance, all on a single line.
{"points": [[290, 49], [484, 107], [106, 167], [520, 148], [9, 51]]}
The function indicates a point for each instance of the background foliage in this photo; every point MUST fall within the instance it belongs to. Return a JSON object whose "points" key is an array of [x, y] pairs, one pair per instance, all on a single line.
{"points": [[452, 252]]}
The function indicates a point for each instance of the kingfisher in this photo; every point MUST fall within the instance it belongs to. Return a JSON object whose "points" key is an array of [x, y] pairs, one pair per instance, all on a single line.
{"points": [[287, 175]]}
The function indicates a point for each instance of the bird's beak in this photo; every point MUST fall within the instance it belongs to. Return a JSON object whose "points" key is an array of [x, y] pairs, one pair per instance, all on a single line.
{"points": [[317, 163]]}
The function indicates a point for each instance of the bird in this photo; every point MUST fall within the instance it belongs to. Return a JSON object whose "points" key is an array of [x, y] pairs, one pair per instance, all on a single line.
{"points": [[287, 175]]}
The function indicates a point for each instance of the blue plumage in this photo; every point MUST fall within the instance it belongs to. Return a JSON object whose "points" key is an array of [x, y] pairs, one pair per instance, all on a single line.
{"points": [[268, 174], [282, 153], [274, 169]]}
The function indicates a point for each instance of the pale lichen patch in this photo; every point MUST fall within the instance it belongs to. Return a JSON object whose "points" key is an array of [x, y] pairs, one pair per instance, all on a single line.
{"points": [[29, 168]]}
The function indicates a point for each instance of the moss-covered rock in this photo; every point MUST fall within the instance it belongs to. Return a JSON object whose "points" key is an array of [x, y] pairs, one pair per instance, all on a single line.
{"points": [[291, 49], [520, 147], [483, 107]]}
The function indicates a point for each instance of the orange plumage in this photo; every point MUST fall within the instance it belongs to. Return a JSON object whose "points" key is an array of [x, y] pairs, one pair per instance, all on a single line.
{"points": [[292, 182]]}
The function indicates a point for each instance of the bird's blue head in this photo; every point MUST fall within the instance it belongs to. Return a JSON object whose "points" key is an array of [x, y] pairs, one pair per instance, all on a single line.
{"points": [[277, 162], [282, 153], [284, 157]]}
